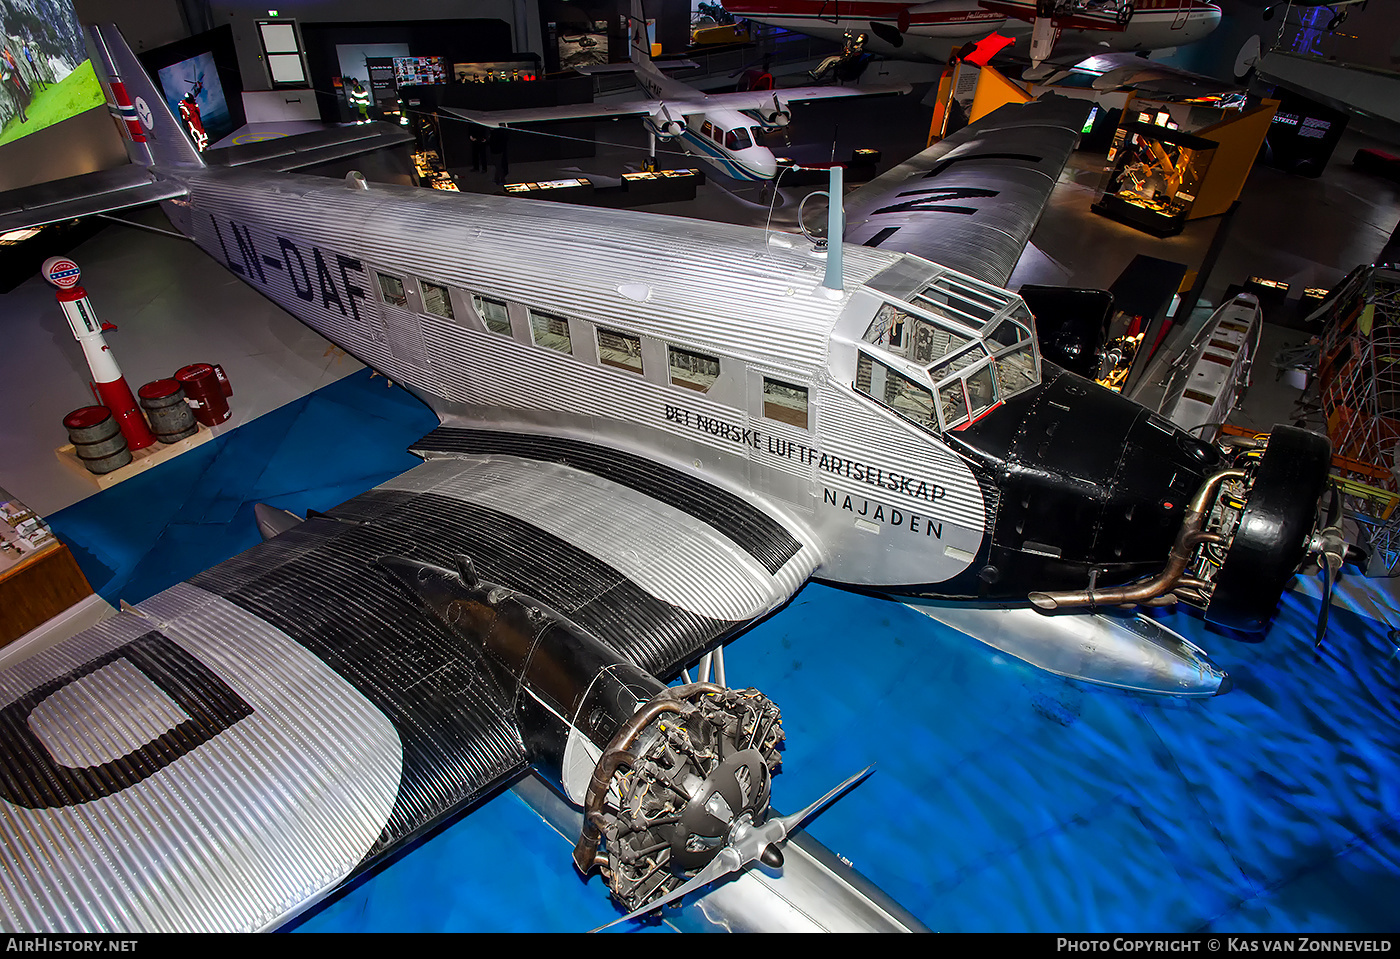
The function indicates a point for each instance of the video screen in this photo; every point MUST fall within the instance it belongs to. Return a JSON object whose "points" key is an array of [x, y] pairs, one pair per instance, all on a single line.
{"points": [[196, 96], [45, 75], [353, 57], [419, 71]]}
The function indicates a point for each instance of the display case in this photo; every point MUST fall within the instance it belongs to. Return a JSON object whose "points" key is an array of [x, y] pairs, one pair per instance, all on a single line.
{"points": [[1154, 175]]}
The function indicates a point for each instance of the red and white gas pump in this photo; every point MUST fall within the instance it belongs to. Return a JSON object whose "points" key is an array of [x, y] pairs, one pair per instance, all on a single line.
{"points": [[108, 382]]}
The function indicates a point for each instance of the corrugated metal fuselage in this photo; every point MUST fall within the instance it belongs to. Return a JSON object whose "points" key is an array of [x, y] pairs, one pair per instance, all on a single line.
{"points": [[886, 504]]}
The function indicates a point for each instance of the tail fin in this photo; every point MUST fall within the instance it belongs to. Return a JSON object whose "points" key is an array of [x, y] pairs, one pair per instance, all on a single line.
{"points": [[153, 136], [640, 41]]}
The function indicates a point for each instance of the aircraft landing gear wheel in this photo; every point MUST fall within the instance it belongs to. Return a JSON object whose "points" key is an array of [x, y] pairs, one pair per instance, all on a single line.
{"points": [[1274, 530]]}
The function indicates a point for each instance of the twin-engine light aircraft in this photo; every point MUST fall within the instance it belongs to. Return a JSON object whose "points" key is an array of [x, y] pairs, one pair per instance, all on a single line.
{"points": [[723, 130], [932, 31], [653, 431]]}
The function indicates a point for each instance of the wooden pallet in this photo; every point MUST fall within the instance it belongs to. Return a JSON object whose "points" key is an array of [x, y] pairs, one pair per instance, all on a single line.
{"points": [[141, 460]]}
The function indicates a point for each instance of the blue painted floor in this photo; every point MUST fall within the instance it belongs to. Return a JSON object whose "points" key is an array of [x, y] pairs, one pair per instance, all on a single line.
{"points": [[1004, 798]]}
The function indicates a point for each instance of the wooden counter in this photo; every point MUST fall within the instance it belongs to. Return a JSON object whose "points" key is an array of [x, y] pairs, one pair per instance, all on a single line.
{"points": [[39, 587]]}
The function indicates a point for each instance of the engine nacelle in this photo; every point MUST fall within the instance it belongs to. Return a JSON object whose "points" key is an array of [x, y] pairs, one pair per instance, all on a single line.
{"points": [[776, 118], [668, 129], [689, 768]]}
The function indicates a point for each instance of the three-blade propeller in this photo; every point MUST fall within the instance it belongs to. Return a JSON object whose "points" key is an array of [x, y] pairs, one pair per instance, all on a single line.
{"points": [[746, 844]]}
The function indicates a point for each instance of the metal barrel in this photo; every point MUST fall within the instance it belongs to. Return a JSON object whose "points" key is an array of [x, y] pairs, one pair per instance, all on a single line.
{"points": [[97, 439], [206, 389], [170, 417]]}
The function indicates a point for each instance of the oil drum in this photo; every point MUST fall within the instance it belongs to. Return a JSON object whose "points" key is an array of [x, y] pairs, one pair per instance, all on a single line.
{"points": [[97, 439], [206, 388], [170, 417]]}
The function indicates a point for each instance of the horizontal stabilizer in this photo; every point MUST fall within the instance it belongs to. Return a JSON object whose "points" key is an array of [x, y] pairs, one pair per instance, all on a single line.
{"points": [[282, 154], [101, 192]]}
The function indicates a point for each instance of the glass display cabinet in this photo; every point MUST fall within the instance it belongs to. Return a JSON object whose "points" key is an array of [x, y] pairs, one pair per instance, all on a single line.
{"points": [[1154, 176]]}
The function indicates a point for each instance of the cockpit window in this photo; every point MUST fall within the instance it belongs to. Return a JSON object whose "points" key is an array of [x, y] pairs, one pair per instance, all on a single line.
{"points": [[959, 301], [981, 393], [738, 139], [958, 363], [1015, 371], [966, 344], [898, 392], [1008, 333], [952, 404], [895, 330]]}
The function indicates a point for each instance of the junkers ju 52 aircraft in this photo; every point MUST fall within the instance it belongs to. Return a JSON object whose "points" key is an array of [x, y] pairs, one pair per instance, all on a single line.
{"points": [[653, 432]]}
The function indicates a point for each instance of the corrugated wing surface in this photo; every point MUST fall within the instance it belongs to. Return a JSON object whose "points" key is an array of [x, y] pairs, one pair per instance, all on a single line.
{"points": [[237, 746], [971, 201]]}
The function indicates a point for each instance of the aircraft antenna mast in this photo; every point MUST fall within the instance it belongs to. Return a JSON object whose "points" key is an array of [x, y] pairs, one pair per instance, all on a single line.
{"points": [[835, 224]]}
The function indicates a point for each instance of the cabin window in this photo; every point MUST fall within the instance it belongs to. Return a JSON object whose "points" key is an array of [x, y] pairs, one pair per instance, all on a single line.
{"points": [[392, 289], [737, 139], [716, 134], [708, 129], [436, 299], [898, 392], [551, 331], [493, 313], [622, 350], [694, 371], [785, 403]]}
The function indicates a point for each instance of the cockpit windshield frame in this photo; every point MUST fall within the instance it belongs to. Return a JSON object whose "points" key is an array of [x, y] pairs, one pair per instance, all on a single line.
{"points": [[947, 353]]}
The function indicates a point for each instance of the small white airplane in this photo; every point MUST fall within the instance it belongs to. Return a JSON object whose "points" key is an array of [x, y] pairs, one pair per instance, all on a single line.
{"points": [[653, 431], [931, 31], [723, 130]]}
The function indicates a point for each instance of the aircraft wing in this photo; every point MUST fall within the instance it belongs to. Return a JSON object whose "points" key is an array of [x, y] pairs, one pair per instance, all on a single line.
{"points": [[566, 111], [107, 191], [229, 751], [101, 192], [759, 99], [283, 154], [971, 201]]}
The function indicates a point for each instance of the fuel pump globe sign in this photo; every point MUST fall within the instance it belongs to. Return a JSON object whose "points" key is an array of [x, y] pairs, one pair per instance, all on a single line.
{"points": [[107, 381], [60, 272]]}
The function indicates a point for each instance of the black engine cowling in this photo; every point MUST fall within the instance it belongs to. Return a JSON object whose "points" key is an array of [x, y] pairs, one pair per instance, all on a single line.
{"points": [[1271, 531]]}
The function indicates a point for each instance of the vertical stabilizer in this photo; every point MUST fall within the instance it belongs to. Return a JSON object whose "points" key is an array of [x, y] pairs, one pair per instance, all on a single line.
{"points": [[153, 136], [639, 43]]}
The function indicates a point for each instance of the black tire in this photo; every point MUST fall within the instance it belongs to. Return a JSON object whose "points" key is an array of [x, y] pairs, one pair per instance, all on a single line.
{"points": [[1273, 532]]}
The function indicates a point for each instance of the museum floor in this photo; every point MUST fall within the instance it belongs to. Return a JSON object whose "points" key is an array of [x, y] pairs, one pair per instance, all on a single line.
{"points": [[1004, 798]]}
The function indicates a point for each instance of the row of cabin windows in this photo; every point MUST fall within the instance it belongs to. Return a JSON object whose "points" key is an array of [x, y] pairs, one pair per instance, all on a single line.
{"points": [[783, 402]]}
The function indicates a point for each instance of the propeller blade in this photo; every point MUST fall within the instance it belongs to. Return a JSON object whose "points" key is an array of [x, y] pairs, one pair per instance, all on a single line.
{"points": [[792, 822], [727, 860], [1331, 566], [746, 845]]}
